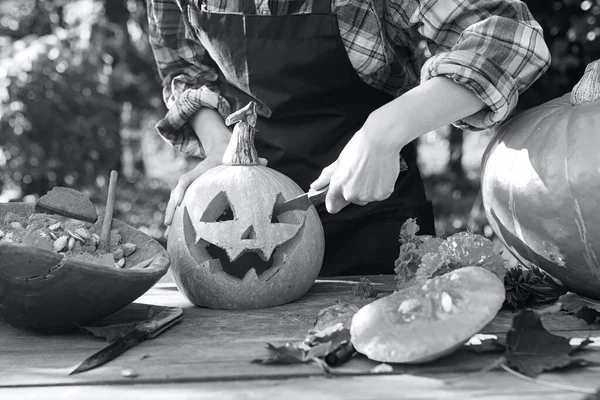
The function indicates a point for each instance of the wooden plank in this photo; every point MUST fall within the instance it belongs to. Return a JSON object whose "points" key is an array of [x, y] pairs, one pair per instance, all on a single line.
{"points": [[219, 345], [495, 385]]}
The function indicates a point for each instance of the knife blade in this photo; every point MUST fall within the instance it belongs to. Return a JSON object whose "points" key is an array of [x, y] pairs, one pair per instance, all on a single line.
{"points": [[302, 202], [145, 330]]}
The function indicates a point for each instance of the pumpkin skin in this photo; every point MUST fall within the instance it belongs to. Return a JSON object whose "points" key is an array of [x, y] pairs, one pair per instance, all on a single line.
{"points": [[541, 186], [244, 258], [416, 324]]}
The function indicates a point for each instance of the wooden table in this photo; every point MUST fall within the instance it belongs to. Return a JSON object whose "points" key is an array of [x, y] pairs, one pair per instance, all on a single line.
{"points": [[208, 354]]}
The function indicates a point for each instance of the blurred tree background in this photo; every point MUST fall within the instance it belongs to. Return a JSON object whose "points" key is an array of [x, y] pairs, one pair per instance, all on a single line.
{"points": [[79, 96]]}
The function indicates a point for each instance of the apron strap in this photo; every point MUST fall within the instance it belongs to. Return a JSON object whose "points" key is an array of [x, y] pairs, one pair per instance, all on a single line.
{"points": [[321, 7]]}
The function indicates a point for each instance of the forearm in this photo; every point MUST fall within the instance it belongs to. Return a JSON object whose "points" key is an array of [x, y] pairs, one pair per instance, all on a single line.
{"points": [[211, 131], [431, 105]]}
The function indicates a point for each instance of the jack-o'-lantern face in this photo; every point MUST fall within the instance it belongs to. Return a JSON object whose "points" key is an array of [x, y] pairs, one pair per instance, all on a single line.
{"points": [[227, 249], [237, 235]]}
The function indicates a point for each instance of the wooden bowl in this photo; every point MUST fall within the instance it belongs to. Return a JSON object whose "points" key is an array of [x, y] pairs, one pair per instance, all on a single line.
{"points": [[49, 292]]}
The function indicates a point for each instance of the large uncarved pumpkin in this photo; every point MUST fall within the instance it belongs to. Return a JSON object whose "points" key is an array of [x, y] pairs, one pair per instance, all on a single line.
{"points": [[424, 322], [228, 250], [541, 186]]}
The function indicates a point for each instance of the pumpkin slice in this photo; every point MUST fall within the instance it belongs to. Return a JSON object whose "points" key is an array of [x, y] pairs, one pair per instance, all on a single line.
{"points": [[423, 323], [67, 202]]}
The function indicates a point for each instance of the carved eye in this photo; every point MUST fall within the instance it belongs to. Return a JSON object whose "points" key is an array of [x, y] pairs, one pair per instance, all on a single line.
{"points": [[218, 210]]}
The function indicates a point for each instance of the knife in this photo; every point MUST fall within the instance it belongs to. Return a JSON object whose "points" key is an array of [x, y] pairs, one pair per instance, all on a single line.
{"points": [[145, 330], [302, 202], [313, 197]]}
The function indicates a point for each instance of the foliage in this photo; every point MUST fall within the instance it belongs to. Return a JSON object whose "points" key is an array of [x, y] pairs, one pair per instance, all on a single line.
{"points": [[423, 257], [50, 135], [582, 307], [66, 71]]}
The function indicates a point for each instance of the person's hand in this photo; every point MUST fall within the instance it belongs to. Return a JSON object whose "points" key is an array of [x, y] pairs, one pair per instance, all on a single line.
{"points": [[365, 171], [211, 161], [214, 136]]}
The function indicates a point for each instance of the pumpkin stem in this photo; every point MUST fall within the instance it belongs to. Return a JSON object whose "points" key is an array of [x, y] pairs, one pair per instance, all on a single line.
{"points": [[241, 150], [587, 89]]}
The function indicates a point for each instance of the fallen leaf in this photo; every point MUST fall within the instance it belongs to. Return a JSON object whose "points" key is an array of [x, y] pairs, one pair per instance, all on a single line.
{"points": [[333, 334], [582, 307], [337, 313], [286, 354], [531, 349]]}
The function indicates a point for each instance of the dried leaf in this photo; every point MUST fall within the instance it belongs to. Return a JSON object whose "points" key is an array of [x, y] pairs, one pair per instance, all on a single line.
{"points": [[289, 353], [364, 289], [334, 335], [337, 313], [531, 349], [582, 307]]}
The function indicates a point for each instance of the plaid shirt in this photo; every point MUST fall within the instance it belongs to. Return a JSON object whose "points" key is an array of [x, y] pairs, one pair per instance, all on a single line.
{"points": [[493, 47]]}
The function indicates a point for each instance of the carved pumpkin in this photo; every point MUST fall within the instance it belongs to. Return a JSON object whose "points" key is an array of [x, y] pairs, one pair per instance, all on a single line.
{"points": [[424, 322], [228, 251], [541, 186]]}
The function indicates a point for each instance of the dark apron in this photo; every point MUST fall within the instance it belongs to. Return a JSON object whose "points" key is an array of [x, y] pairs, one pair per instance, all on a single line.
{"points": [[310, 103]]}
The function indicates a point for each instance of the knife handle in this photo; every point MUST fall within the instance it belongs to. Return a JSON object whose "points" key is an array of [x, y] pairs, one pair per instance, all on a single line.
{"points": [[317, 196], [161, 322]]}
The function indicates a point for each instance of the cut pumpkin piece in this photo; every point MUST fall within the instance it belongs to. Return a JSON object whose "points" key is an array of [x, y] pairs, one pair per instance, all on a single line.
{"points": [[424, 322], [68, 203]]}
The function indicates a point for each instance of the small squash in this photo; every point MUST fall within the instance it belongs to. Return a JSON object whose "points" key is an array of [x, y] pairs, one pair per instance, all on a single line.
{"points": [[424, 322], [228, 250], [541, 186]]}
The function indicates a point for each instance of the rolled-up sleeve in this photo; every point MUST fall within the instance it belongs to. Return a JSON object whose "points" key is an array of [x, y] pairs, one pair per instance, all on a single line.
{"points": [[188, 84], [494, 48]]}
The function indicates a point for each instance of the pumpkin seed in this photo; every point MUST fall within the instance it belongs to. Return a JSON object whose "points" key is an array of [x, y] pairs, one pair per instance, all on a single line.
{"points": [[446, 301], [53, 235], [75, 235], [129, 373], [408, 305], [60, 243], [120, 263], [71, 243], [16, 225], [128, 249], [55, 226], [83, 233], [118, 254]]}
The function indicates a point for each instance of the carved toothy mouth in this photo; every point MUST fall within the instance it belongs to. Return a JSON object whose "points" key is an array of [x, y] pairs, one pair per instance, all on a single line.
{"points": [[251, 262], [240, 267]]}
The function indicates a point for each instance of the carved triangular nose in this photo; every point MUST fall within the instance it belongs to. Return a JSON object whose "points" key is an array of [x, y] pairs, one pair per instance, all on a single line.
{"points": [[249, 234]]}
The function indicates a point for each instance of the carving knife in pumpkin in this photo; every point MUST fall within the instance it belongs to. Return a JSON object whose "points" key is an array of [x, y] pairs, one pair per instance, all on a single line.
{"points": [[302, 202], [313, 197], [145, 330]]}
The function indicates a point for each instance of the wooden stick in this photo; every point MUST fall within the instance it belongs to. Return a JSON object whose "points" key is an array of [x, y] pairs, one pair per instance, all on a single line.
{"points": [[110, 207]]}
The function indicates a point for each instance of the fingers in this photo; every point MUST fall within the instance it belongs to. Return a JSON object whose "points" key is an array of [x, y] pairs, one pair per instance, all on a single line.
{"points": [[176, 197], [184, 182], [324, 178], [335, 201]]}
